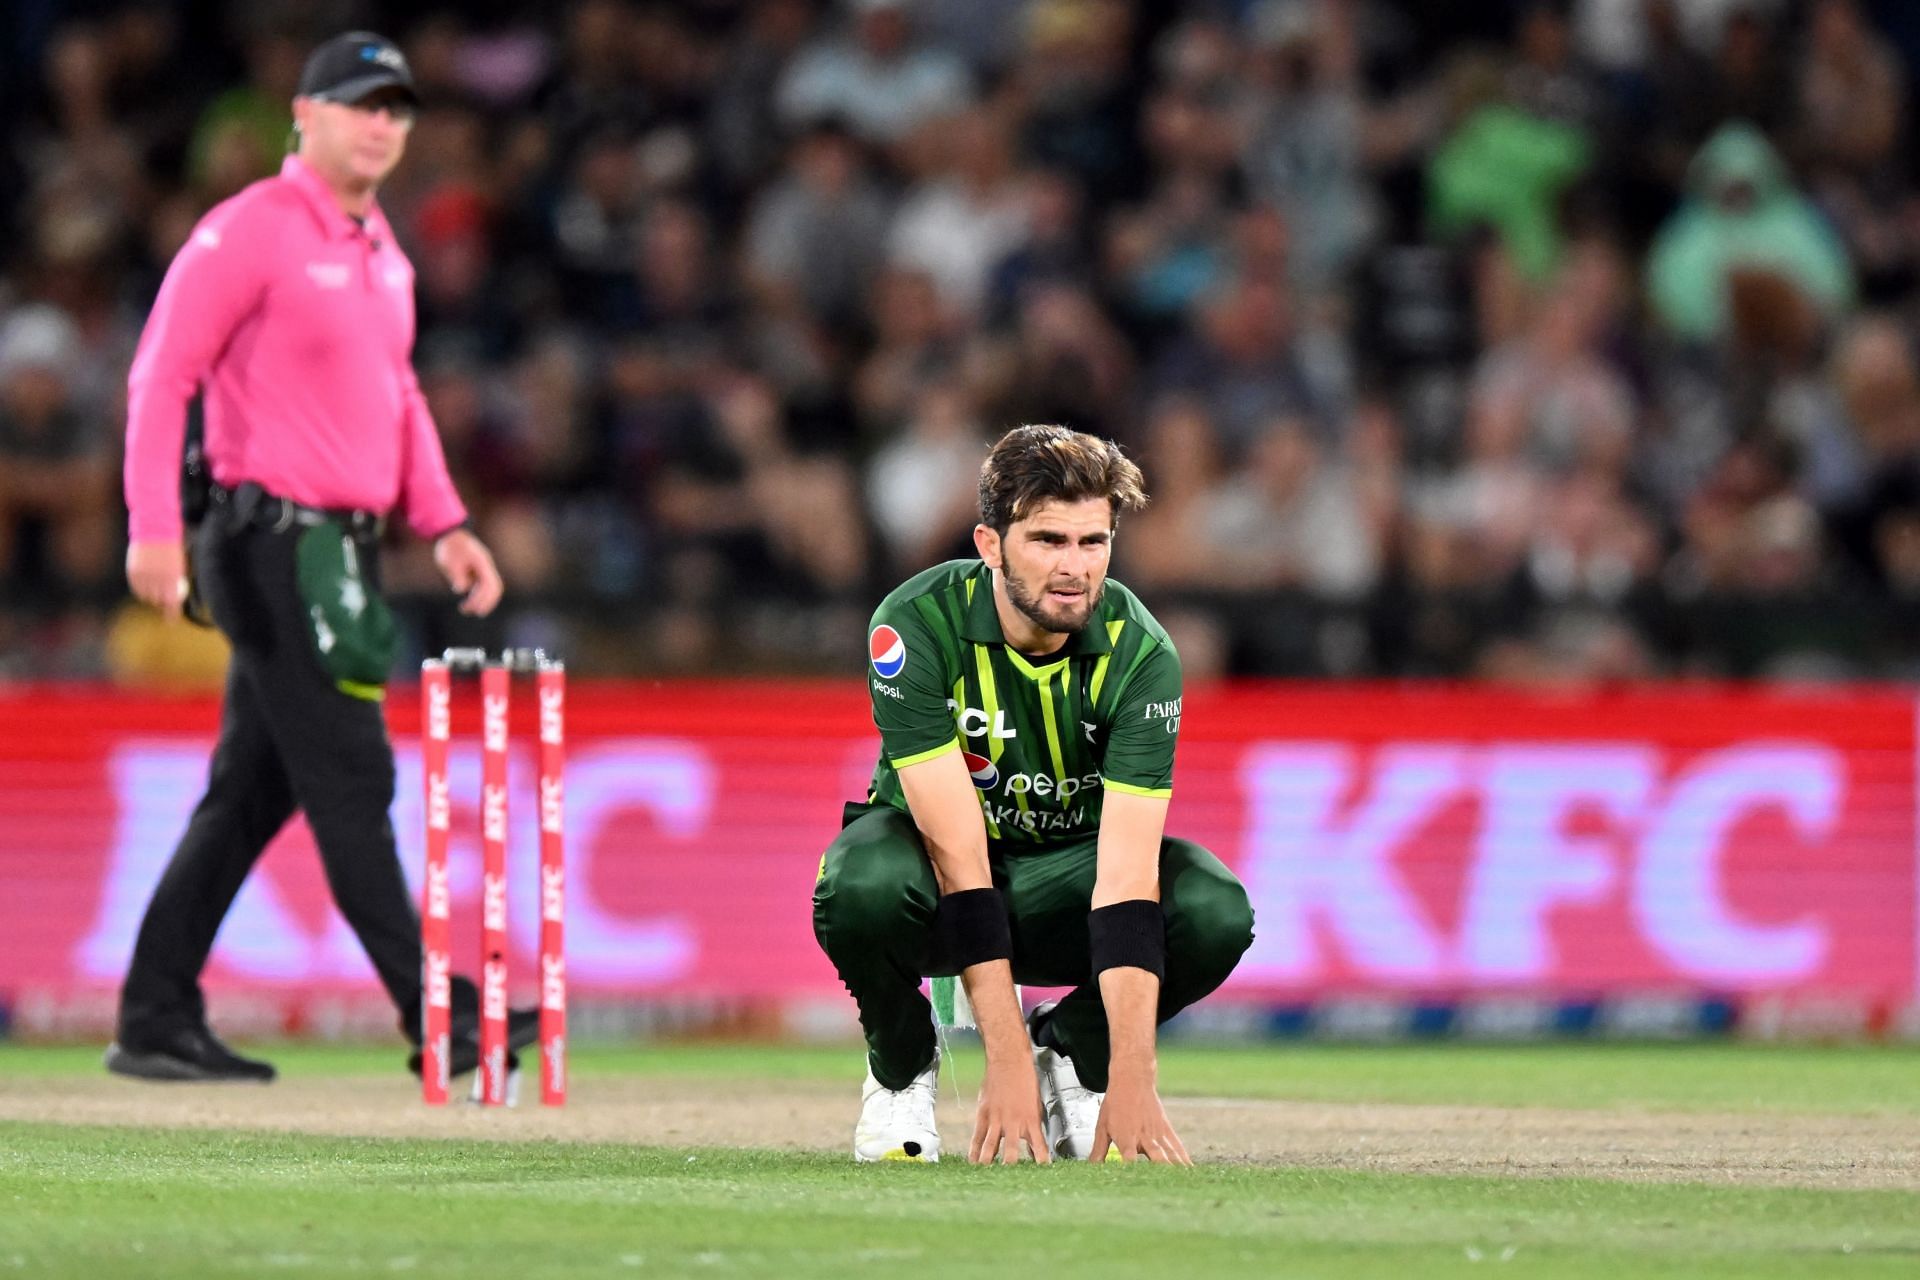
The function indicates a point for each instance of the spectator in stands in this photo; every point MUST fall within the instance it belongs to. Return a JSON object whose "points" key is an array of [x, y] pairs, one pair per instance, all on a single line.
{"points": [[1742, 218], [1052, 251], [1242, 363], [243, 133], [1591, 542], [964, 217], [1065, 362], [920, 485], [1168, 546], [1552, 377], [1877, 392], [916, 341], [1745, 526], [595, 221], [1306, 149], [1848, 138], [594, 94], [750, 518], [56, 466], [813, 242], [1748, 81], [1170, 252], [1549, 78], [1503, 166], [875, 76], [1290, 519], [743, 125], [902, 217], [459, 295], [1081, 105]]}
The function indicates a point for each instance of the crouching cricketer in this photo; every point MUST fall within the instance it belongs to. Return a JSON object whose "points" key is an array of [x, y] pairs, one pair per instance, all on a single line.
{"points": [[1014, 832]]}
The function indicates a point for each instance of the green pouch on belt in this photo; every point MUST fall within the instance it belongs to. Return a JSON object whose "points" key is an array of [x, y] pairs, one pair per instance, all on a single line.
{"points": [[351, 627]]}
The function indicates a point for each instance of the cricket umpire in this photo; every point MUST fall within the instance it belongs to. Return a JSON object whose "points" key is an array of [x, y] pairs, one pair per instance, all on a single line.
{"points": [[290, 312]]}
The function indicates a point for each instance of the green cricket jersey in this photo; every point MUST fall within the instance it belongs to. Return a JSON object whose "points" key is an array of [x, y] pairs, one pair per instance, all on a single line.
{"points": [[1044, 740]]}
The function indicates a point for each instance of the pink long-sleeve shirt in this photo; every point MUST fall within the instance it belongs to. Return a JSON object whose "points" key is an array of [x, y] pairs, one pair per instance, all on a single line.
{"points": [[296, 322]]}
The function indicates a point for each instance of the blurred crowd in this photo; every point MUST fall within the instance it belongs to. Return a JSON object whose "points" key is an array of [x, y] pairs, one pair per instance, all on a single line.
{"points": [[1531, 340]]}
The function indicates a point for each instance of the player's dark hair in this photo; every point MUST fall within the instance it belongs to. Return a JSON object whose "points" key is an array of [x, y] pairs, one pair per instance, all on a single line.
{"points": [[1036, 464]]}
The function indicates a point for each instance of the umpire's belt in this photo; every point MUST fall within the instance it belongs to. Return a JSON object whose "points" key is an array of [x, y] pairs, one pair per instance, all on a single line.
{"points": [[249, 504]]}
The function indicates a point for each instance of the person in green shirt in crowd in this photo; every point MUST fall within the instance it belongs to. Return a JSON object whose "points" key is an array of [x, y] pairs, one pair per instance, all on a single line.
{"points": [[1028, 709], [1742, 217]]}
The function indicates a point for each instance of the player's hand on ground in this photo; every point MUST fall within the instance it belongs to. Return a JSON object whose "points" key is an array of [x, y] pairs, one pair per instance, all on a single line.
{"points": [[468, 568], [1008, 1114], [157, 574], [1135, 1122]]}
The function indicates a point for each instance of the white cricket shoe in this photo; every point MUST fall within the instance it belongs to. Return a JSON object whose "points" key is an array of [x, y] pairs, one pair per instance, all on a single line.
{"points": [[1069, 1110], [898, 1124]]}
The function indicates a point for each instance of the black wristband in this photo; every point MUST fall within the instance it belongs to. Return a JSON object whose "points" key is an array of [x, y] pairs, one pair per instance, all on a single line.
{"points": [[1129, 935], [970, 927]]}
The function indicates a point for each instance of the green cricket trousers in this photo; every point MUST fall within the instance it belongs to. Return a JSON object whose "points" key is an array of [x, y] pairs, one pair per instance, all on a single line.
{"points": [[873, 915]]}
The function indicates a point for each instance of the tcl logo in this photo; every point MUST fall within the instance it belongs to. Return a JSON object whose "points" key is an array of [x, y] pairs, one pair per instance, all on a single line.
{"points": [[973, 721]]}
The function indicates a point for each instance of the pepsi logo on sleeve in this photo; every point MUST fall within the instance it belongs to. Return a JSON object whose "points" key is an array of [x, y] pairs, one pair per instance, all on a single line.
{"points": [[888, 651]]}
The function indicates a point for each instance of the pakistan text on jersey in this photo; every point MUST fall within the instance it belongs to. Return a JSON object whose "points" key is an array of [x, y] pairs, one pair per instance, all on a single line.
{"points": [[1009, 815]]}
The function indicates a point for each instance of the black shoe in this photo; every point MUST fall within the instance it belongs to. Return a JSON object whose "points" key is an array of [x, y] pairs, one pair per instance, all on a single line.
{"points": [[191, 1053], [523, 1028]]}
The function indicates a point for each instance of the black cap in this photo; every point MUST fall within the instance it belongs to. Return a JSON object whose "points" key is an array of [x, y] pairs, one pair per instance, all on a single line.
{"points": [[349, 67]]}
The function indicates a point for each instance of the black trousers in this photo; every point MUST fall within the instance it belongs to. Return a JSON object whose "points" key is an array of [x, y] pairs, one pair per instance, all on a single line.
{"points": [[288, 739]]}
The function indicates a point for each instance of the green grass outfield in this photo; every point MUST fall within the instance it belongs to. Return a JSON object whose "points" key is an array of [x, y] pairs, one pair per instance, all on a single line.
{"points": [[108, 1202]]}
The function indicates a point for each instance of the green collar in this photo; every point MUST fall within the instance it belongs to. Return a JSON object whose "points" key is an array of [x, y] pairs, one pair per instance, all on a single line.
{"points": [[982, 622]]}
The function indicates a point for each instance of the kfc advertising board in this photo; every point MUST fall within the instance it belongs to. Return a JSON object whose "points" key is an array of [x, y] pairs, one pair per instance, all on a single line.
{"points": [[1420, 841]]}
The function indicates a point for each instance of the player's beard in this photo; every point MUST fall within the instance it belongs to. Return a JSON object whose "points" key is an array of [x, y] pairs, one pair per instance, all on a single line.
{"points": [[1061, 620]]}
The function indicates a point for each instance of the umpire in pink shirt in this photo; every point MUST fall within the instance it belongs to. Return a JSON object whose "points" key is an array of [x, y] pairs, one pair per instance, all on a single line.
{"points": [[290, 313]]}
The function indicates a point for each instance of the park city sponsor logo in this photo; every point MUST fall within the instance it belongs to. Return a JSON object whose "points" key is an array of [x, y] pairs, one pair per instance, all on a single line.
{"points": [[330, 275], [887, 651], [1168, 711], [973, 721], [984, 771]]}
